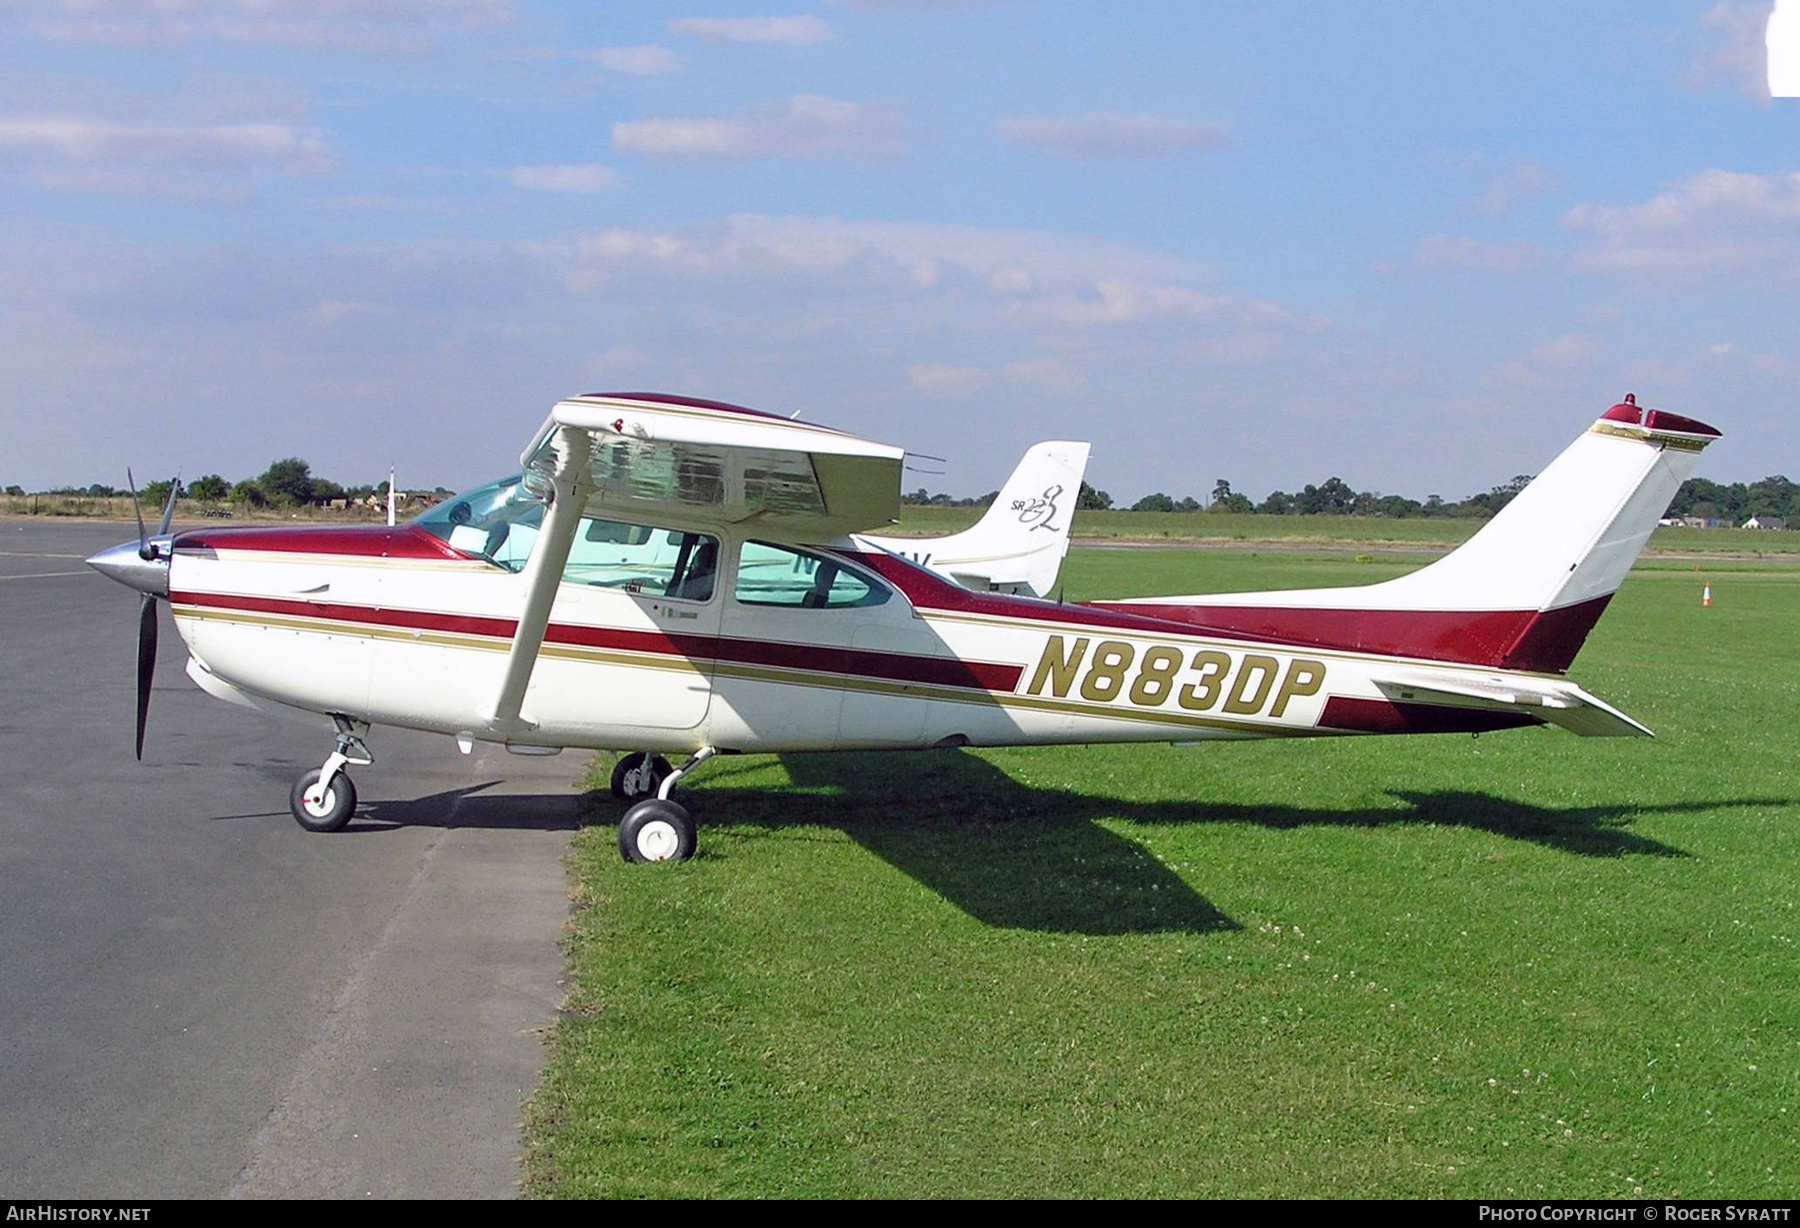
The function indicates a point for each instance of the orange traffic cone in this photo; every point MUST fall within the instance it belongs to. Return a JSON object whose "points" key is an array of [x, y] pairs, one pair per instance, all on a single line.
{"points": [[1706, 597]]}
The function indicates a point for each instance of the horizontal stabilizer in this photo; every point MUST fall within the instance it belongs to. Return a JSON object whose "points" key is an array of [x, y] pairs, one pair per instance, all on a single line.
{"points": [[1550, 700]]}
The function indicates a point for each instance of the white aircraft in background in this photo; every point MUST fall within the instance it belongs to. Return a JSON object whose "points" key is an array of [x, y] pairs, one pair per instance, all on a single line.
{"points": [[1019, 544], [669, 575]]}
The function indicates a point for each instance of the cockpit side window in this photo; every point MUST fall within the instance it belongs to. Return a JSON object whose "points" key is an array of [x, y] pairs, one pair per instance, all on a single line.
{"points": [[641, 559], [779, 576]]}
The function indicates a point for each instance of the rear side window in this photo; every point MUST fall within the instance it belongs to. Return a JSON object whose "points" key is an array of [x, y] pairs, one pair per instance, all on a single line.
{"points": [[778, 576], [636, 558]]}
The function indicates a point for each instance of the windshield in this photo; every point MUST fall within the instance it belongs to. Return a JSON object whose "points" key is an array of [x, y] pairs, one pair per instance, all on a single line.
{"points": [[497, 523]]}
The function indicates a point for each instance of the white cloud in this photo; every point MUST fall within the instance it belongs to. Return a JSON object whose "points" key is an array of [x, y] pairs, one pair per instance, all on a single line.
{"points": [[1515, 183], [1551, 364], [1078, 303], [806, 126], [1740, 56], [579, 177], [788, 31], [351, 25], [1243, 348], [1010, 280], [993, 263], [1439, 251], [1711, 223], [185, 161], [1656, 372], [642, 61], [1107, 134], [1123, 301], [1049, 374], [943, 380], [229, 147]]}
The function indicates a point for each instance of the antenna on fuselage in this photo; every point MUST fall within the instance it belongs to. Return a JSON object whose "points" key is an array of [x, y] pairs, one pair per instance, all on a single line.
{"points": [[390, 496]]}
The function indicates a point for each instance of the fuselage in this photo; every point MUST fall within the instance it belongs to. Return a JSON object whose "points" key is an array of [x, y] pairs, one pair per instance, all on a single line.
{"points": [[670, 637]]}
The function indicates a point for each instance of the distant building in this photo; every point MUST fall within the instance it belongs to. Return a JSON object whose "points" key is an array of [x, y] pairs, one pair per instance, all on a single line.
{"points": [[1704, 522], [1766, 522]]}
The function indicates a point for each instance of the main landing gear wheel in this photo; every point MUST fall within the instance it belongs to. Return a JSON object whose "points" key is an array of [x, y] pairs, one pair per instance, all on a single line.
{"points": [[328, 812], [638, 776], [657, 830]]}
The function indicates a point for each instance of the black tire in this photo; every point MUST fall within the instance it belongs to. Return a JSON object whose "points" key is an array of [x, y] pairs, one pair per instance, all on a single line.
{"points": [[628, 789], [655, 830], [340, 802]]}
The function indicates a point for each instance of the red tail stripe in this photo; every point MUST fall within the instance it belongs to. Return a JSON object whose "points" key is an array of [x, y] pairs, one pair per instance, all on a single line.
{"points": [[1544, 642]]}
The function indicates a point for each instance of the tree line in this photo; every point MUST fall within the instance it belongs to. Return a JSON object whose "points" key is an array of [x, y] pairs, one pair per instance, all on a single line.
{"points": [[1737, 502], [288, 482]]}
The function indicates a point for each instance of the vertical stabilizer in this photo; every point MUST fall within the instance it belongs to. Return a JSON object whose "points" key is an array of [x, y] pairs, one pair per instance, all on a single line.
{"points": [[1524, 592]]}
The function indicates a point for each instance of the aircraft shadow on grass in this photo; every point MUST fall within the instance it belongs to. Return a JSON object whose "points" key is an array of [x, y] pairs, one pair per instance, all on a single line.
{"points": [[1017, 856]]}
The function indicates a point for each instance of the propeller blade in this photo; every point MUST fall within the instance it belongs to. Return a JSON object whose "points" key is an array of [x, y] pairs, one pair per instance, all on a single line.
{"points": [[169, 507], [146, 665], [138, 509]]}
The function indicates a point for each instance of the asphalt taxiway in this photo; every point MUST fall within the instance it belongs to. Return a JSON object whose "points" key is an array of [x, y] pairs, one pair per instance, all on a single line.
{"points": [[200, 999]]}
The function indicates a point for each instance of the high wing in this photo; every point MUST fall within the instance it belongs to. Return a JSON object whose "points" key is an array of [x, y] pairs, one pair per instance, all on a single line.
{"points": [[640, 453], [648, 452]]}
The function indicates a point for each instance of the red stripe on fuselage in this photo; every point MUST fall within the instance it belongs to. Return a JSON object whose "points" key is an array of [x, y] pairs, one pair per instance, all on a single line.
{"points": [[360, 541], [1543, 642], [897, 667]]}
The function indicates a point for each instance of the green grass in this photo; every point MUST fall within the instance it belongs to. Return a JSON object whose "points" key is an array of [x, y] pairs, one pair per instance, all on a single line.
{"points": [[1341, 530], [1528, 965]]}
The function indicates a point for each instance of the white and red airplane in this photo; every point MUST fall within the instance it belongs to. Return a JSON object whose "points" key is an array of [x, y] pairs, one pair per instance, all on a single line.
{"points": [[670, 575]]}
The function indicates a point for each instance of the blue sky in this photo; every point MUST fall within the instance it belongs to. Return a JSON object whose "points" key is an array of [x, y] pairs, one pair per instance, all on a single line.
{"points": [[1417, 246]]}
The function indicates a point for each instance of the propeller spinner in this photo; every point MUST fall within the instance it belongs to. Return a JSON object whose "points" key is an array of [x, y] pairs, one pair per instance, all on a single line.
{"points": [[144, 566]]}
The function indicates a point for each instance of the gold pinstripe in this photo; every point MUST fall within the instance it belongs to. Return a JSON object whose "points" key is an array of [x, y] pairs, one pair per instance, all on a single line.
{"points": [[1654, 438], [818, 679]]}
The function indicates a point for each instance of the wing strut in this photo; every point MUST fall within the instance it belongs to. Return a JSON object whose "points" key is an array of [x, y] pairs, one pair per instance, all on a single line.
{"points": [[543, 573]]}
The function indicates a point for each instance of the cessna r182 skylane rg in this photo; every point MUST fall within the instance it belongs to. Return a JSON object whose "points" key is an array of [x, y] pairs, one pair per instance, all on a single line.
{"points": [[670, 575]]}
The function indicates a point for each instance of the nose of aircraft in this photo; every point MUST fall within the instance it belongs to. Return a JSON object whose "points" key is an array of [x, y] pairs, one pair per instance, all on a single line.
{"points": [[126, 563]]}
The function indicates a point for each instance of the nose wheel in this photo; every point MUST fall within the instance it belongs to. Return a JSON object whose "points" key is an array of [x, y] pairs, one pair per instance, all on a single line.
{"points": [[323, 799], [326, 809]]}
